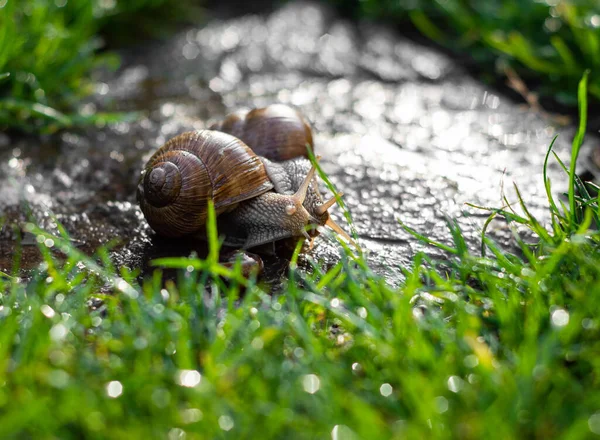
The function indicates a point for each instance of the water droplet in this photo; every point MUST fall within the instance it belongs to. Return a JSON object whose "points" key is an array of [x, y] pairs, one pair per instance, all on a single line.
{"points": [[114, 389], [165, 294], [58, 378], [311, 383], [559, 318], [226, 423], [594, 423], [342, 432], [191, 415], [386, 389], [455, 384], [257, 343], [471, 361], [47, 311], [335, 302], [188, 378], [441, 404], [176, 434], [58, 332], [161, 397]]}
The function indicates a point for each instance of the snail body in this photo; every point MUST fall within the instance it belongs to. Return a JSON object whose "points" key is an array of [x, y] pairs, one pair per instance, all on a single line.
{"points": [[256, 200]]}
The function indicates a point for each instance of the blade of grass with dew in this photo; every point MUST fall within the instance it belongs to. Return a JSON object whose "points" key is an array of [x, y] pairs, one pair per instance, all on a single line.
{"points": [[334, 191], [577, 142], [427, 240]]}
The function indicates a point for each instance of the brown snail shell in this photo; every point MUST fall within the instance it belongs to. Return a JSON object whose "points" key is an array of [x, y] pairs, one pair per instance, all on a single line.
{"points": [[277, 132], [191, 169]]}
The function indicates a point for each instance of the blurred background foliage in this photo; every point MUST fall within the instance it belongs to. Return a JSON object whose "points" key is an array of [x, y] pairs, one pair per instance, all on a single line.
{"points": [[50, 48], [548, 43]]}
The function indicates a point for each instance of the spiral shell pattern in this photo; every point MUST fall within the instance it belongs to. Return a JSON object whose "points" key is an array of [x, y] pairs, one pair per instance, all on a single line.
{"points": [[191, 169]]}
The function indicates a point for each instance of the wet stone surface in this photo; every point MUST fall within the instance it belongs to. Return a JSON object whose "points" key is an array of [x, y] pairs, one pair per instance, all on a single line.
{"points": [[403, 131]]}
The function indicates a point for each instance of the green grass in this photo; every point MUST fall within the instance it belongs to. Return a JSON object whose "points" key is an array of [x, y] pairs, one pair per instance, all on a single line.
{"points": [[49, 51], [550, 44], [497, 346]]}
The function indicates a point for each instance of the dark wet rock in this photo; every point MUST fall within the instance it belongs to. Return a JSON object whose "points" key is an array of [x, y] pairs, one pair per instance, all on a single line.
{"points": [[403, 131]]}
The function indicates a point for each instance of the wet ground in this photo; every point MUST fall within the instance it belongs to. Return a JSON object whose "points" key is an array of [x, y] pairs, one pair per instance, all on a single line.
{"points": [[403, 130]]}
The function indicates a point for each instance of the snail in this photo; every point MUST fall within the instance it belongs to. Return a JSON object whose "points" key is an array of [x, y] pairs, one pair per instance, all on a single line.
{"points": [[257, 200], [276, 132]]}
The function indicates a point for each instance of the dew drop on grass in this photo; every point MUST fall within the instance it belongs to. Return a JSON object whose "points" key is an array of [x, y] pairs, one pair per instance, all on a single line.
{"points": [[471, 361], [140, 343], [335, 302], [362, 312], [191, 415], [58, 378], [386, 389], [594, 423], [58, 332], [226, 423], [342, 432], [176, 434], [188, 378], [114, 389], [47, 311], [311, 383], [559, 318], [588, 324], [257, 343], [170, 349], [161, 397], [356, 367], [455, 384], [57, 357], [441, 404], [165, 294]]}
